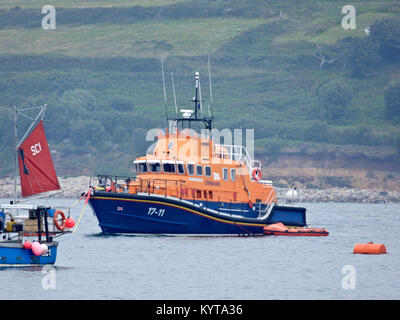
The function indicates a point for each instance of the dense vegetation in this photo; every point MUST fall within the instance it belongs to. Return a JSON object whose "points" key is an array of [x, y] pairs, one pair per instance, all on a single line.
{"points": [[285, 68]]}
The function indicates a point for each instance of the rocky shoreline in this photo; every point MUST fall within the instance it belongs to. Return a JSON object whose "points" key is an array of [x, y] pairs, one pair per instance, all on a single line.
{"points": [[73, 186], [345, 195]]}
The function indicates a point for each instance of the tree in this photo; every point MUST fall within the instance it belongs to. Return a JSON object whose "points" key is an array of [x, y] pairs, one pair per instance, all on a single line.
{"points": [[120, 134], [358, 54], [386, 33], [87, 132], [78, 100], [121, 104], [334, 97], [392, 101]]}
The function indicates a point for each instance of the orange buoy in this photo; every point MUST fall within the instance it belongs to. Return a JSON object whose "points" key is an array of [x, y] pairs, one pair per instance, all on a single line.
{"points": [[370, 248], [70, 222]]}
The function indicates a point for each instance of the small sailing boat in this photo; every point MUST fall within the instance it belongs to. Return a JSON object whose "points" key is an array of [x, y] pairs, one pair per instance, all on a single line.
{"points": [[189, 184], [27, 231]]}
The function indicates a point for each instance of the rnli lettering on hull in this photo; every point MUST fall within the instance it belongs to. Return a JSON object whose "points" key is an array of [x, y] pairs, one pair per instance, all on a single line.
{"points": [[212, 183]]}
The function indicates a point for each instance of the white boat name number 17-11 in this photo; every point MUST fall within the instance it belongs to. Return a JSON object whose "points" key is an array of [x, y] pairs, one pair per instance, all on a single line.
{"points": [[154, 211]]}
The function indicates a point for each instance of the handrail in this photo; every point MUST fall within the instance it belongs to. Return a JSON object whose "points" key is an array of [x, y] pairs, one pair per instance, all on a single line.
{"points": [[268, 204], [240, 154], [166, 184], [269, 198], [103, 179]]}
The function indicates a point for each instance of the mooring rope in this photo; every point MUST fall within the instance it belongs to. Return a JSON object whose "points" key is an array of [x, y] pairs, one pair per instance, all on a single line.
{"points": [[84, 206]]}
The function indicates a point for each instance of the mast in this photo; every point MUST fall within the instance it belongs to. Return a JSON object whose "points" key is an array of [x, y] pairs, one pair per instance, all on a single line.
{"points": [[211, 96], [165, 93], [196, 97], [200, 99], [186, 118], [15, 154], [173, 88]]}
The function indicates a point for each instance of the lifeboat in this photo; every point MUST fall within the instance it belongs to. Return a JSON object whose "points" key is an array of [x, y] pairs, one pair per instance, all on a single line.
{"points": [[279, 229], [188, 183]]}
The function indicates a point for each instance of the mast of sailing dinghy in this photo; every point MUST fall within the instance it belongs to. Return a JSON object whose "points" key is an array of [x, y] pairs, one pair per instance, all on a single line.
{"points": [[17, 144], [15, 154]]}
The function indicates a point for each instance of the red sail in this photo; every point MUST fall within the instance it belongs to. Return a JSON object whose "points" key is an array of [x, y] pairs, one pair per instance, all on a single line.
{"points": [[35, 164]]}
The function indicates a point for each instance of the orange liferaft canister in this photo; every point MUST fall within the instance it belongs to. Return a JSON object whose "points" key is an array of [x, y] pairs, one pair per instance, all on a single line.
{"points": [[369, 248]]}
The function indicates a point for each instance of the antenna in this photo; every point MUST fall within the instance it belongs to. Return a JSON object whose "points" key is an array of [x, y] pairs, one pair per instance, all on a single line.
{"points": [[165, 94], [211, 96], [173, 88], [201, 105]]}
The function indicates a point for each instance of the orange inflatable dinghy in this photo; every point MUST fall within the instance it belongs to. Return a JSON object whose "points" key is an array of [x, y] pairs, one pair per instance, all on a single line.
{"points": [[370, 248], [279, 229]]}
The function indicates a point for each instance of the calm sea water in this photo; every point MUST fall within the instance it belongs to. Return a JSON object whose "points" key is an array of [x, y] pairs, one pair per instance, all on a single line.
{"points": [[94, 266]]}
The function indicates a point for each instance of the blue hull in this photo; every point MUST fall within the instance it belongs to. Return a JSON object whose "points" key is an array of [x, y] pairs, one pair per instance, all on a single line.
{"points": [[12, 254], [146, 214]]}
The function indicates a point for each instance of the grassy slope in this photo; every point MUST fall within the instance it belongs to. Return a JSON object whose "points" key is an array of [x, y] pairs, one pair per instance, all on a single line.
{"points": [[262, 64], [6, 4], [149, 39]]}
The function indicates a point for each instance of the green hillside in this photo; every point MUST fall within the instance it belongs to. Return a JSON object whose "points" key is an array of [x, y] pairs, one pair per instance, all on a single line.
{"points": [[286, 69]]}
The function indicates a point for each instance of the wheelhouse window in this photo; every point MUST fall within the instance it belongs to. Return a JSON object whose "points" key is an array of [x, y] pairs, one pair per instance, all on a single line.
{"points": [[155, 167], [199, 170], [181, 168], [169, 167], [225, 174], [207, 171], [190, 168], [233, 174], [142, 167]]}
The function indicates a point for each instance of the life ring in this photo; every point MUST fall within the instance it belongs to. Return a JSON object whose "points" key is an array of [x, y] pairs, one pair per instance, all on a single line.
{"points": [[257, 174], [63, 218]]}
